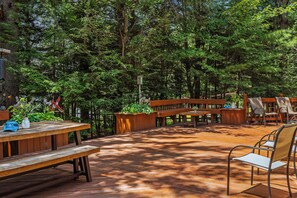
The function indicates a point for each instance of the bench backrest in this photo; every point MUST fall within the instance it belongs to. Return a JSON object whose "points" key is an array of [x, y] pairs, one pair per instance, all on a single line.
{"points": [[159, 105], [206, 103]]}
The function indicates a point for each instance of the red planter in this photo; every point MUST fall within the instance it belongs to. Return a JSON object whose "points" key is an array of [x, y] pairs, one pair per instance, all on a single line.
{"points": [[134, 122]]}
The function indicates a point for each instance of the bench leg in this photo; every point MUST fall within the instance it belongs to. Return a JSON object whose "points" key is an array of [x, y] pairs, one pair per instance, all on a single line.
{"points": [[75, 167], [87, 168]]}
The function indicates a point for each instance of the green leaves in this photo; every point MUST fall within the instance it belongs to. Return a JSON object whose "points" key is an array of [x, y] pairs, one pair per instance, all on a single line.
{"points": [[137, 108]]}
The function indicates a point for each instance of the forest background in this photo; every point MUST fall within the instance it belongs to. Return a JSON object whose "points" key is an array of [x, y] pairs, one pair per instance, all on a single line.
{"points": [[90, 52]]}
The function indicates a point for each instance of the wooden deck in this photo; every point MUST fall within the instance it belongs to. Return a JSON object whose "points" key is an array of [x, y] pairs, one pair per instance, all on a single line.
{"points": [[164, 162]]}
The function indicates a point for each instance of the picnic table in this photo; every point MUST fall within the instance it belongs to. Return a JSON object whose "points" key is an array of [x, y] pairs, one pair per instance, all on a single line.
{"points": [[195, 116], [76, 155]]}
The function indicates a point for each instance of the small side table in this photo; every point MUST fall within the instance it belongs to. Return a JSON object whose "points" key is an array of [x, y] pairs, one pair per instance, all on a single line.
{"points": [[233, 116], [195, 115]]}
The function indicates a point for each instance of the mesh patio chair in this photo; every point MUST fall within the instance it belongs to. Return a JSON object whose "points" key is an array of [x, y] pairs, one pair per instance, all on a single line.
{"points": [[285, 107], [259, 111], [281, 151], [268, 141]]}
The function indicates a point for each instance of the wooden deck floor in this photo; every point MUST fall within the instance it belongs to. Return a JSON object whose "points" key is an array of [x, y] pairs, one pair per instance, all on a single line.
{"points": [[166, 162]]}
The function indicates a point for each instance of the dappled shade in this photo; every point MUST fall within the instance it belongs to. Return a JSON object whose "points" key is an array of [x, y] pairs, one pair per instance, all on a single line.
{"points": [[171, 162]]}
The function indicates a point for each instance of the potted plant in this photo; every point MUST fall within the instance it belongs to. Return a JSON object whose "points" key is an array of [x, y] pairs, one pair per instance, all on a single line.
{"points": [[21, 111], [135, 117], [195, 108]]}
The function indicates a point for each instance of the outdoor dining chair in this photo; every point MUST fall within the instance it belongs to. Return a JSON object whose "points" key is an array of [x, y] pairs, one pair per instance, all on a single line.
{"points": [[259, 111], [285, 107], [268, 141], [280, 152]]}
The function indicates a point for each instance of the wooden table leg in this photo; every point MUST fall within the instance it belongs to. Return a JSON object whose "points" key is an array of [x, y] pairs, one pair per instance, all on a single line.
{"points": [[77, 137], [195, 121], [184, 120], [54, 142], [162, 121]]}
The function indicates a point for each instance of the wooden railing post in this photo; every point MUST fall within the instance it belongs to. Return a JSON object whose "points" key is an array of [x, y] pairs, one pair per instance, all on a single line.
{"points": [[245, 105]]}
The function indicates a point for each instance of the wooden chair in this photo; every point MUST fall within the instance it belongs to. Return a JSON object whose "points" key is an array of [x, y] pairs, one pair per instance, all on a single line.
{"points": [[259, 111], [280, 152], [285, 107]]}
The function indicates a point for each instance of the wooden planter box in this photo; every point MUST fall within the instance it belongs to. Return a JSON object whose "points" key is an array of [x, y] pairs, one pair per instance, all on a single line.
{"points": [[134, 122], [233, 116]]}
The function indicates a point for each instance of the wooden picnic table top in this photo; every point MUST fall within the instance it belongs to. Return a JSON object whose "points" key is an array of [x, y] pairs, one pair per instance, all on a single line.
{"points": [[42, 129], [195, 113]]}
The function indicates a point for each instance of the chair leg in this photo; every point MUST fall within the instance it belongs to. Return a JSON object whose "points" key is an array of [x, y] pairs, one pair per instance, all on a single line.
{"points": [[252, 176], [288, 180], [295, 171], [228, 177], [264, 120], [268, 182]]}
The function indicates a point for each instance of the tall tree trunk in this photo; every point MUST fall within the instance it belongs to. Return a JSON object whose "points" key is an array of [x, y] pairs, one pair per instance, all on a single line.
{"points": [[283, 18], [123, 22], [187, 63]]}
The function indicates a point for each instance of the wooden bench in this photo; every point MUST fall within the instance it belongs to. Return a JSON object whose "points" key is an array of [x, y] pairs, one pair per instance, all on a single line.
{"points": [[48, 159], [168, 108], [172, 108], [214, 106]]}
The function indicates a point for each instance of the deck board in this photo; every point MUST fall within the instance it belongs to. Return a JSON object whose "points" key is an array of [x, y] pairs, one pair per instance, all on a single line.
{"points": [[167, 162]]}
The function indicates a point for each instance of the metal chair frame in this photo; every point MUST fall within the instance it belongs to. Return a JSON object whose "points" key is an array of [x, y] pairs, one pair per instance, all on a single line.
{"points": [[273, 151]]}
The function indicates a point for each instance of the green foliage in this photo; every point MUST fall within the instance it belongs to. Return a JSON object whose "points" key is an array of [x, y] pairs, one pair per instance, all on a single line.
{"points": [[27, 109], [137, 108], [91, 52], [195, 108], [235, 98], [23, 109]]}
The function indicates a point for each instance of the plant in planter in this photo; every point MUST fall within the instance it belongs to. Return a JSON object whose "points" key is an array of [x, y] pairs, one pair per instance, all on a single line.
{"points": [[137, 108], [135, 117], [25, 112]]}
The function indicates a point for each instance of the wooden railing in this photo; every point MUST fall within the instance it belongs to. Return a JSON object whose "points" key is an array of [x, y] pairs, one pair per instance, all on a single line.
{"points": [[171, 108]]}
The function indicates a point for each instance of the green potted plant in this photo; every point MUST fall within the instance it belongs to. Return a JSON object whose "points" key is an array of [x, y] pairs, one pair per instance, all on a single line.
{"points": [[195, 108], [135, 117], [25, 112], [21, 111]]}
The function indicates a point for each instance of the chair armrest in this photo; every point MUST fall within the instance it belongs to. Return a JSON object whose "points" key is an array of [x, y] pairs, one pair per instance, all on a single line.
{"points": [[269, 135], [246, 146]]}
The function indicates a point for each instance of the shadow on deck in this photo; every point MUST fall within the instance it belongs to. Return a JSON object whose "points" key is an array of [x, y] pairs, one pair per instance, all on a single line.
{"points": [[164, 162]]}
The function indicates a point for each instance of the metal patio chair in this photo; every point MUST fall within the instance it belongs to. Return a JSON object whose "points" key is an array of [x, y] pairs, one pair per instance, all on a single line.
{"points": [[258, 110], [268, 141], [281, 150], [285, 107]]}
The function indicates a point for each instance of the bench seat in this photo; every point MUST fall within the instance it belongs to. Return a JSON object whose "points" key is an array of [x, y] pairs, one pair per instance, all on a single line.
{"points": [[47, 159], [171, 112], [212, 111]]}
